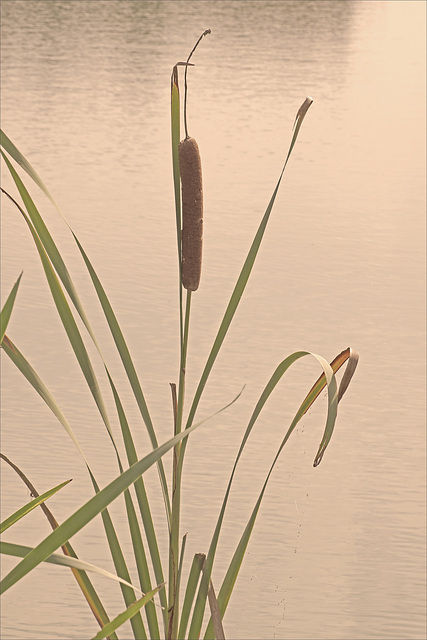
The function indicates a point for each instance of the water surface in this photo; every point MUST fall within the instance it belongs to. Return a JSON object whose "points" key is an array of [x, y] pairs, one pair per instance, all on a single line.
{"points": [[338, 551]]}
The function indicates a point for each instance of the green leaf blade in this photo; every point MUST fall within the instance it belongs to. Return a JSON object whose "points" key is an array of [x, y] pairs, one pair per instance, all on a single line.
{"points": [[23, 511], [20, 551], [6, 311], [326, 379], [190, 592], [244, 274], [123, 617]]}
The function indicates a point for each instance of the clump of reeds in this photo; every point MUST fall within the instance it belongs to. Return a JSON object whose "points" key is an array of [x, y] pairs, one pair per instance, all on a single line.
{"points": [[199, 590]]}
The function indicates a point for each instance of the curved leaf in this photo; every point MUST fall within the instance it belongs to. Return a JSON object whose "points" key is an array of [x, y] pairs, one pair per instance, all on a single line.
{"points": [[245, 272], [327, 378]]}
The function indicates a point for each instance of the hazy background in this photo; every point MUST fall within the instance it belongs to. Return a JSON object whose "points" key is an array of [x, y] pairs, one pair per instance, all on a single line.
{"points": [[338, 551]]}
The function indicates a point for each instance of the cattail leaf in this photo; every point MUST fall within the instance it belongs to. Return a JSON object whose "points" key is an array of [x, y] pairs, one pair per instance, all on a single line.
{"points": [[327, 378], [20, 513], [14, 153], [48, 243], [175, 134], [6, 311], [126, 615], [281, 369], [120, 562], [244, 275], [130, 371], [37, 383], [71, 329], [130, 448], [20, 551], [301, 113], [190, 592], [141, 562], [61, 303], [353, 359], [219, 339]]}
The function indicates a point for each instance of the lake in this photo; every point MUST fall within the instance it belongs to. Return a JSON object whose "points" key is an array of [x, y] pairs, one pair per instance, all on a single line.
{"points": [[338, 551]]}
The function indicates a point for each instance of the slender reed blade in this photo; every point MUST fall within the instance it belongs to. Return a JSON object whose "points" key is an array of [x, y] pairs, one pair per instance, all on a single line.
{"points": [[190, 592], [123, 617], [141, 565], [6, 311], [139, 551], [14, 153], [244, 274], [176, 135], [120, 566], [23, 511], [77, 345], [272, 383], [327, 378], [37, 383], [79, 349], [20, 551], [65, 314], [79, 568], [223, 329], [49, 245], [181, 560], [130, 371], [86, 367], [109, 528]]}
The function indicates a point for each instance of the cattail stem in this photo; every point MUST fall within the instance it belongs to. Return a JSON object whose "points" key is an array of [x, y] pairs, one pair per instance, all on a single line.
{"points": [[190, 245], [183, 365]]}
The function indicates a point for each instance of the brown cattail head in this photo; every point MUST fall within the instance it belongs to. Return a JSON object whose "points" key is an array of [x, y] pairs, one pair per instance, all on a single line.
{"points": [[192, 213]]}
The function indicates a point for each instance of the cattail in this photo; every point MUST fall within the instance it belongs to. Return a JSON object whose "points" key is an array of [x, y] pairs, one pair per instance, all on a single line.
{"points": [[192, 213]]}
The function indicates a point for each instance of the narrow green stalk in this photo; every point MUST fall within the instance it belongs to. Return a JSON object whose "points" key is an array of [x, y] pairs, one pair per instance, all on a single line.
{"points": [[176, 487], [181, 562], [175, 135], [173, 601], [183, 364]]}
